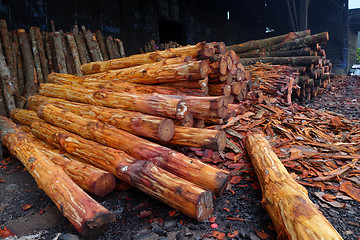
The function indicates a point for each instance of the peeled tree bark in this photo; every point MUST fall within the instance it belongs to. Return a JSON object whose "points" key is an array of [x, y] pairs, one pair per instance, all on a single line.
{"points": [[88, 177], [200, 50], [257, 44], [79, 208], [158, 105], [287, 203], [133, 122], [169, 70], [120, 86], [176, 192], [201, 174]]}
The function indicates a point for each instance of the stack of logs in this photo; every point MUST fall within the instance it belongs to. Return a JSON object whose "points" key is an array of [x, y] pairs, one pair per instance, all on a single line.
{"points": [[32, 56], [152, 47], [112, 120], [300, 50]]}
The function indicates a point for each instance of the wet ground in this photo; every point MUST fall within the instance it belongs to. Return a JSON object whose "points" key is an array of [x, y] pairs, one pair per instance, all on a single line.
{"points": [[238, 214]]}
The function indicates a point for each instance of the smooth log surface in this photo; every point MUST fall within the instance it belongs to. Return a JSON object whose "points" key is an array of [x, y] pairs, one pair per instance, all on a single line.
{"points": [[88, 177], [287, 202], [196, 51], [169, 70], [158, 105], [258, 44], [120, 86], [201, 174], [133, 122], [79, 208]]}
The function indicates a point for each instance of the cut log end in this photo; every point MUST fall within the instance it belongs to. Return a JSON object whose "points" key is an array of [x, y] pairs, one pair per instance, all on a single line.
{"points": [[105, 185], [204, 68], [205, 206], [221, 141], [166, 129], [93, 226]]}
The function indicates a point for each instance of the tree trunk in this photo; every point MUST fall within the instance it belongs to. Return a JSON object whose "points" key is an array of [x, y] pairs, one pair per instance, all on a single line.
{"points": [[287, 53], [199, 137], [287, 203], [158, 183], [3, 111], [6, 44], [74, 53], [35, 51], [121, 47], [201, 84], [100, 40], [297, 43], [170, 70], [7, 84], [31, 84], [92, 46], [49, 54], [67, 53], [19, 66], [88, 177], [120, 86], [201, 174], [267, 42], [199, 50], [60, 55], [78, 207], [133, 122], [158, 105], [111, 48], [304, 60], [83, 53], [44, 62]]}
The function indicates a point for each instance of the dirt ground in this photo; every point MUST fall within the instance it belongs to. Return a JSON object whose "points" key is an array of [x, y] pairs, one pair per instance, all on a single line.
{"points": [[141, 217]]}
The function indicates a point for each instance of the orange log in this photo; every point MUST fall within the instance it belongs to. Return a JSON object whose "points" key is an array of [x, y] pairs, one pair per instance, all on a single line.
{"points": [[202, 174], [200, 50], [79, 208], [158, 105], [133, 122]]}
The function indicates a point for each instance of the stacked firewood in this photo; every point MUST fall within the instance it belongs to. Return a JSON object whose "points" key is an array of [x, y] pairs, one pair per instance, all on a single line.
{"points": [[300, 50], [27, 58], [151, 46]]}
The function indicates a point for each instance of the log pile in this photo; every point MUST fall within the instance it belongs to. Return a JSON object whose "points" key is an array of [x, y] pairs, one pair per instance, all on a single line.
{"points": [[27, 58], [151, 46], [125, 115], [299, 50]]}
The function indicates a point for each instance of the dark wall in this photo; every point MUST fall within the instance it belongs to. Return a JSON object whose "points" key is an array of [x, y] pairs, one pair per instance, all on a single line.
{"points": [[139, 21]]}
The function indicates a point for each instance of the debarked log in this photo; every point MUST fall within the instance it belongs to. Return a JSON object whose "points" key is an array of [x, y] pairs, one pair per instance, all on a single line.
{"points": [[158, 105], [78, 207], [120, 86], [287, 203], [200, 50], [133, 122], [158, 183], [88, 177], [201, 174], [169, 70]]}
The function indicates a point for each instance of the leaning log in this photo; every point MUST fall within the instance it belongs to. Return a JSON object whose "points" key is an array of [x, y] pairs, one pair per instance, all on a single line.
{"points": [[31, 84], [36, 56], [19, 63], [59, 53], [287, 203], [298, 61], [201, 174], [158, 105], [88, 177], [289, 53], [133, 122], [257, 44], [7, 84], [170, 70], [93, 47], [74, 53], [100, 40], [83, 52], [120, 86], [43, 60], [200, 50], [79, 208], [158, 183]]}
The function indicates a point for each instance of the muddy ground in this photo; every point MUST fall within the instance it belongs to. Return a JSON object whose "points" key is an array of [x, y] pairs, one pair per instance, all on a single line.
{"points": [[141, 217]]}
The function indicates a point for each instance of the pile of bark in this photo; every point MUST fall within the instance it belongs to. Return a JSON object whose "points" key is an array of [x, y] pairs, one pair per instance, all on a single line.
{"points": [[151, 46], [300, 50], [27, 58]]}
